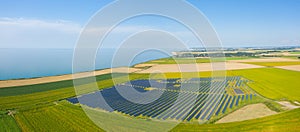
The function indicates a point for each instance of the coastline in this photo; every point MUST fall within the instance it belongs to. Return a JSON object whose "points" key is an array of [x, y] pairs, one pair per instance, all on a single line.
{"points": [[139, 68], [49, 79]]}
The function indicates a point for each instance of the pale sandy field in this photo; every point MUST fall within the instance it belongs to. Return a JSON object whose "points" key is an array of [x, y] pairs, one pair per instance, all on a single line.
{"points": [[292, 67], [165, 68], [21, 82], [248, 112], [289, 54], [273, 59]]}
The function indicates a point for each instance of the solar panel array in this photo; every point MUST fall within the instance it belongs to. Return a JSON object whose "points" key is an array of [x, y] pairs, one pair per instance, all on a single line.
{"points": [[191, 99]]}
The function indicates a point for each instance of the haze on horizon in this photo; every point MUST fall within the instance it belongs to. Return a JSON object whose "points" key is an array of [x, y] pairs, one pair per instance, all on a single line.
{"points": [[35, 24]]}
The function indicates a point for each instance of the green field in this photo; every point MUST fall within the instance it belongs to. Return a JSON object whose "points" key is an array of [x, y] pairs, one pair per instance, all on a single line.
{"points": [[31, 101], [291, 57], [64, 116], [57, 117], [294, 52], [8, 123], [284, 122], [194, 60], [271, 64], [25, 100], [272, 83], [29, 89]]}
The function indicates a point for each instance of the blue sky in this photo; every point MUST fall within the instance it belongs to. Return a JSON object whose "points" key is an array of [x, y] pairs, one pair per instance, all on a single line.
{"points": [[57, 23]]}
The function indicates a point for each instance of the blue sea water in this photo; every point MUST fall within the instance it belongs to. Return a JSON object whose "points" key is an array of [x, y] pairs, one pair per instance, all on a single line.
{"points": [[31, 63]]}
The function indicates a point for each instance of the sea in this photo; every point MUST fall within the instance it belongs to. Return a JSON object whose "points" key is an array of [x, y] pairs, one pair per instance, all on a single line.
{"points": [[23, 63]]}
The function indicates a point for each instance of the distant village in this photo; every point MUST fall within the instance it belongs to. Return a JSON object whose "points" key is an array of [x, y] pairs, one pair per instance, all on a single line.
{"points": [[240, 52]]}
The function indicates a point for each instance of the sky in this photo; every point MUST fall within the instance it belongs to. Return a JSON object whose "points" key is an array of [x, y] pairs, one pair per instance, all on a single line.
{"points": [[238, 23]]}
